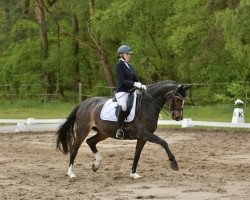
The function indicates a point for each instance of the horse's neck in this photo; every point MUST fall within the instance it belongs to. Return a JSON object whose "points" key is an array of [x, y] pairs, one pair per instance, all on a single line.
{"points": [[157, 100], [161, 90]]}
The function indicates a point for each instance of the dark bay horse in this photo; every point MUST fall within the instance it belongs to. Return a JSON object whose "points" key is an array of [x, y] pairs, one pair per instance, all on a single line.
{"points": [[86, 116]]}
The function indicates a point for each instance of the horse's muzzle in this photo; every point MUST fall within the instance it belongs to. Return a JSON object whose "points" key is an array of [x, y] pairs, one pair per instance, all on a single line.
{"points": [[176, 118]]}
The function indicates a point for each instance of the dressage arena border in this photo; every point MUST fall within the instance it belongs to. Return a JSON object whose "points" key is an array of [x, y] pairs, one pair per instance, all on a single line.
{"points": [[45, 125]]}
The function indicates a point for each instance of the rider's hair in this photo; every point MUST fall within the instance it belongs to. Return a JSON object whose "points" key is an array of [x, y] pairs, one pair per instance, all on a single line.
{"points": [[120, 56]]}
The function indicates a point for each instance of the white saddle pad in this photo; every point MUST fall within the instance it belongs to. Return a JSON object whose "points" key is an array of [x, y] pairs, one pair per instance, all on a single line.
{"points": [[108, 111]]}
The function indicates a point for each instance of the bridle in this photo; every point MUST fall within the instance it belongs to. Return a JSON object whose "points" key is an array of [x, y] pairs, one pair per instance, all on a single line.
{"points": [[169, 108], [172, 108]]}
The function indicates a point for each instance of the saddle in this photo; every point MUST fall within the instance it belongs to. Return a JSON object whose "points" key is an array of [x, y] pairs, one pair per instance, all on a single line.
{"points": [[110, 109]]}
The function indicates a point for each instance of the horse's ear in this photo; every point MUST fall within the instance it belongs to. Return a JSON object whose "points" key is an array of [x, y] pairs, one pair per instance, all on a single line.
{"points": [[179, 88], [186, 87]]}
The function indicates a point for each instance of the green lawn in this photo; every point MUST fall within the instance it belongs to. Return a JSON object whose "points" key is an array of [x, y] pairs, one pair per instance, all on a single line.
{"points": [[25, 109]]}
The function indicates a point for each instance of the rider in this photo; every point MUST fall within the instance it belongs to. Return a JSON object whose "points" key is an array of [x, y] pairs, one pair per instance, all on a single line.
{"points": [[127, 80]]}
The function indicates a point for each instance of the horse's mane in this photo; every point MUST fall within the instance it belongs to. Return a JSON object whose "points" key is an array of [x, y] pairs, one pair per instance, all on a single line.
{"points": [[154, 86]]}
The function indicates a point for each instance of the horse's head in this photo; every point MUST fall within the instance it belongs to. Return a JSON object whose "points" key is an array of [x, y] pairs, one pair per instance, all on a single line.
{"points": [[175, 101]]}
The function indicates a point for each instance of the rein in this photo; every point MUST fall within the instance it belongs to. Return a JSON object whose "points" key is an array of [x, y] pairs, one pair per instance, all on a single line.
{"points": [[168, 111]]}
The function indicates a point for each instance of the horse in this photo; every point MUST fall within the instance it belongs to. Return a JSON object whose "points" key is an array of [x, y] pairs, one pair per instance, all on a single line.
{"points": [[86, 116]]}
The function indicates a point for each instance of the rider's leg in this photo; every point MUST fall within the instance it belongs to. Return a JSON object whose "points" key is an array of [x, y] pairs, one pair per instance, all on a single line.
{"points": [[120, 122], [122, 102]]}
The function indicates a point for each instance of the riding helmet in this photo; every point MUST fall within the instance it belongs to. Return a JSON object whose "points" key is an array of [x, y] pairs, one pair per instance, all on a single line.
{"points": [[124, 49]]}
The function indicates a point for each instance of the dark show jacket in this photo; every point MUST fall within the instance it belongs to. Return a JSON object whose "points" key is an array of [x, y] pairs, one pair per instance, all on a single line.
{"points": [[126, 77]]}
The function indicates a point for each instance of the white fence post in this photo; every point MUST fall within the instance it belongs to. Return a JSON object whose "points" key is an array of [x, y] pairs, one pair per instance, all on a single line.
{"points": [[20, 127], [187, 122], [30, 121]]}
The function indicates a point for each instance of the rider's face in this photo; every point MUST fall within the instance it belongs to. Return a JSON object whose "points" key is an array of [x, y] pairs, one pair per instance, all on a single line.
{"points": [[126, 56]]}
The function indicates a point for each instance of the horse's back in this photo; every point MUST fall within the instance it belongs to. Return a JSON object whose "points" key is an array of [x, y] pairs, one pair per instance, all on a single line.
{"points": [[92, 103]]}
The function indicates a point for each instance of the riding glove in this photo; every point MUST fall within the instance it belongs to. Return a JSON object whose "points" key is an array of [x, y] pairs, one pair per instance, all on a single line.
{"points": [[140, 86]]}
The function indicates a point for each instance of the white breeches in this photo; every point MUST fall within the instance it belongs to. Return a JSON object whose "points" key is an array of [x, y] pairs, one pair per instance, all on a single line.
{"points": [[122, 99]]}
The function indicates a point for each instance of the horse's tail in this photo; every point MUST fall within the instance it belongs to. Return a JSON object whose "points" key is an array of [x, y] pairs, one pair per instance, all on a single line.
{"points": [[65, 134]]}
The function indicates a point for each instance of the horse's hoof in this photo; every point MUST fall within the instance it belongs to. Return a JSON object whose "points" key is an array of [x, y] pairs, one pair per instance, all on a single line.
{"points": [[174, 166], [134, 175], [71, 175], [94, 168]]}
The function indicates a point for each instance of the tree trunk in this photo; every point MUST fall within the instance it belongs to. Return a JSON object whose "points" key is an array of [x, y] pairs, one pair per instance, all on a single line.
{"points": [[43, 30], [26, 8], [102, 53], [75, 51], [105, 64], [92, 7], [40, 11]]}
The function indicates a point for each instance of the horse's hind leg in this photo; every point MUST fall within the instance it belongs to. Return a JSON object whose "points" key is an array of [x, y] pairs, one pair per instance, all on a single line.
{"points": [[81, 134], [92, 144]]}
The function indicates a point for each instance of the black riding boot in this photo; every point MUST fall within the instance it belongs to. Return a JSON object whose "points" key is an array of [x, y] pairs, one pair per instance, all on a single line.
{"points": [[121, 118]]}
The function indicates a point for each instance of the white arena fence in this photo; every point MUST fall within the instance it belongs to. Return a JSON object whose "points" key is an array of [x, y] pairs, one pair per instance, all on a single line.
{"points": [[45, 125]]}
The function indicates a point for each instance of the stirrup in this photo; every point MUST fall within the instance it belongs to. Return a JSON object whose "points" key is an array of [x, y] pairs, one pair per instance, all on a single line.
{"points": [[120, 134]]}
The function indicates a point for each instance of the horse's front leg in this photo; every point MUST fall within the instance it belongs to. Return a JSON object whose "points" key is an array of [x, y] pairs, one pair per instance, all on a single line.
{"points": [[139, 146], [155, 139]]}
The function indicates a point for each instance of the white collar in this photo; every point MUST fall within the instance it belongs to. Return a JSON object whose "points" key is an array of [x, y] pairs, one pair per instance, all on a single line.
{"points": [[125, 62]]}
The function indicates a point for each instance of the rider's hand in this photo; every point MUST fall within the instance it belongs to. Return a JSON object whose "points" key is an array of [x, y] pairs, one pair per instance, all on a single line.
{"points": [[138, 85], [143, 87]]}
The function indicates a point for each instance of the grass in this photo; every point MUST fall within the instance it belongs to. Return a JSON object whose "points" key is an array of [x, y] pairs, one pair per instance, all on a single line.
{"points": [[25, 109]]}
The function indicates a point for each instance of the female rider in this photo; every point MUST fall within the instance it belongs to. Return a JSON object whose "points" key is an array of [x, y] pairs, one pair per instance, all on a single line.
{"points": [[127, 80]]}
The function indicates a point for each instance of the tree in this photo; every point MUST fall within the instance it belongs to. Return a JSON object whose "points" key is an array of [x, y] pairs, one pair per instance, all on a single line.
{"points": [[75, 49], [194, 41], [101, 51], [40, 9], [236, 29]]}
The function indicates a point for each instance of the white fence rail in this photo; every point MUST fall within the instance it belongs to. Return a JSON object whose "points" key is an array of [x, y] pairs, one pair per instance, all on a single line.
{"points": [[21, 127], [31, 121], [43, 125], [190, 123]]}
